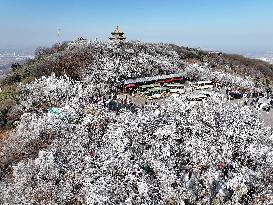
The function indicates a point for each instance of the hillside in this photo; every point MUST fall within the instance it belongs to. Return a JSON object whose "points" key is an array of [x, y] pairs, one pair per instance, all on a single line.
{"points": [[104, 65], [61, 144], [258, 69]]}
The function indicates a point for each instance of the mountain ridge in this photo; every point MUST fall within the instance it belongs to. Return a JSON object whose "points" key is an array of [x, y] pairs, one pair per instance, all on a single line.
{"points": [[63, 144]]}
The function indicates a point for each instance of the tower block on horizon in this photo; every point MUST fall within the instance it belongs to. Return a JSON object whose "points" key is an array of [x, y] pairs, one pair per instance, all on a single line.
{"points": [[117, 34]]}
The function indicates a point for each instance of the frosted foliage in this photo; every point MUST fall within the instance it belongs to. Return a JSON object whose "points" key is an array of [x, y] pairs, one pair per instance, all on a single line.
{"points": [[206, 72], [204, 153], [113, 62], [210, 152], [56, 91]]}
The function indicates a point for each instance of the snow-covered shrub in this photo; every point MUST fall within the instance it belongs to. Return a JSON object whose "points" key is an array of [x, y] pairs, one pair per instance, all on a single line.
{"points": [[66, 149], [205, 72], [209, 152]]}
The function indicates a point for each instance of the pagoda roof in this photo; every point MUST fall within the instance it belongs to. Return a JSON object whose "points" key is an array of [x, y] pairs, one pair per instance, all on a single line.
{"points": [[117, 34], [113, 33], [117, 31]]}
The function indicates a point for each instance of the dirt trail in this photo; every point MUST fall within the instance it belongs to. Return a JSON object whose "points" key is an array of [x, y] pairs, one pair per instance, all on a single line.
{"points": [[3, 136]]}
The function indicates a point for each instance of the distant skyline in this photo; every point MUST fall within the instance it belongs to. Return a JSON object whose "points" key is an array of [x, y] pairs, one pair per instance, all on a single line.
{"points": [[230, 25]]}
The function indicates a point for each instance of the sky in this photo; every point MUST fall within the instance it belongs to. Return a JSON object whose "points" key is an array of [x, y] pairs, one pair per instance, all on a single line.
{"points": [[228, 25]]}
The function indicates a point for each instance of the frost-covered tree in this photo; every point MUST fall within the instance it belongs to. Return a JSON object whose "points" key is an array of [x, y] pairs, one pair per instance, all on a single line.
{"points": [[210, 152], [66, 149]]}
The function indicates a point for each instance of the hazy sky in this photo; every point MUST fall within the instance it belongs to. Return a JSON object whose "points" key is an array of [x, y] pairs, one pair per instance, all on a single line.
{"points": [[233, 25]]}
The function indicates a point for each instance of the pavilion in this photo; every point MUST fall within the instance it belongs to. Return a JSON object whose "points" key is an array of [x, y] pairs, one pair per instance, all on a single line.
{"points": [[117, 34]]}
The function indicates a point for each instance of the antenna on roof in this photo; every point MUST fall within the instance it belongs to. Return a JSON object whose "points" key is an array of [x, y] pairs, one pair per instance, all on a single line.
{"points": [[58, 35]]}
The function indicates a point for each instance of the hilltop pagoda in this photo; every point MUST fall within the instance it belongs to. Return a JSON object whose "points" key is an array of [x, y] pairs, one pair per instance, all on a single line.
{"points": [[117, 34]]}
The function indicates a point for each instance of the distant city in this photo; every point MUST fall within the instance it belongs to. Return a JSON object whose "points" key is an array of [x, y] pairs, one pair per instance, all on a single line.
{"points": [[264, 56], [10, 56]]}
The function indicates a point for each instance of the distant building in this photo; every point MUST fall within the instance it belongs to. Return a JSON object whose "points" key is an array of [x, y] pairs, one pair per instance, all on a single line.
{"points": [[82, 39], [117, 34], [158, 78], [215, 52]]}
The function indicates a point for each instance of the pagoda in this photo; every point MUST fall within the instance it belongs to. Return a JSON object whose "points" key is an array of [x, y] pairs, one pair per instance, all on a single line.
{"points": [[117, 34]]}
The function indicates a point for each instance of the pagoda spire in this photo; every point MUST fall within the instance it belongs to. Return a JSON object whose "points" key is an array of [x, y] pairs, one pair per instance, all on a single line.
{"points": [[117, 34]]}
